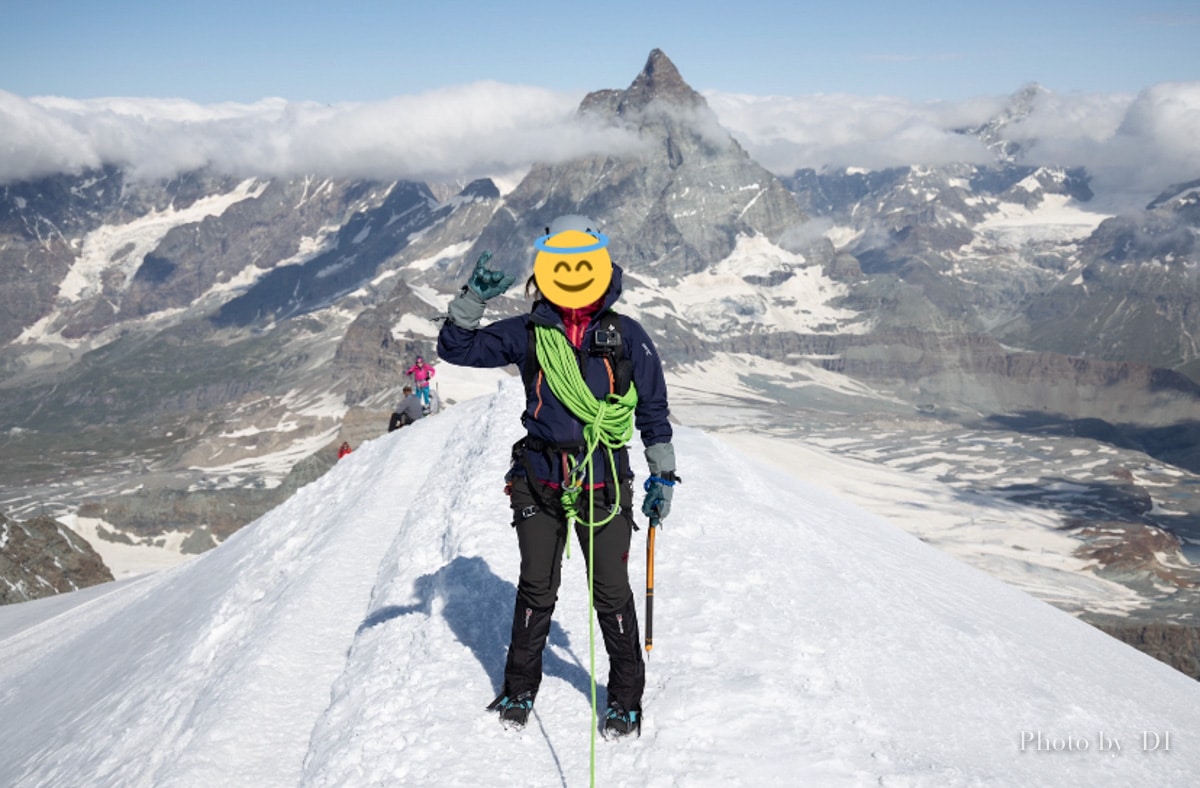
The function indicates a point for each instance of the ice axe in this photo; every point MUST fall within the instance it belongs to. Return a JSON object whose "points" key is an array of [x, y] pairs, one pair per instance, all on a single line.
{"points": [[654, 508], [650, 583]]}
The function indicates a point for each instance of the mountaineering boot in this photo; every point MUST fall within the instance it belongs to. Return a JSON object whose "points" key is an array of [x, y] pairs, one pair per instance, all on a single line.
{"points": [[523, 666], [626, 668], [620, 722], [514, 710]]}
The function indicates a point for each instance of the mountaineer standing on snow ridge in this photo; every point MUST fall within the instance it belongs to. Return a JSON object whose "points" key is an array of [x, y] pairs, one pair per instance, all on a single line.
{"points": [[421, 373], [575, 355]]}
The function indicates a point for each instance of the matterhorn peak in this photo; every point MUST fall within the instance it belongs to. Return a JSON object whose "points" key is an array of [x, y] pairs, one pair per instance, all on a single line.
{"points": [[660, 80]]}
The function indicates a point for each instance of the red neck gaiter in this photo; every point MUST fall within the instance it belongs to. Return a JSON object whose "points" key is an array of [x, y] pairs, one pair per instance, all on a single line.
{"points": [[575, 321]]}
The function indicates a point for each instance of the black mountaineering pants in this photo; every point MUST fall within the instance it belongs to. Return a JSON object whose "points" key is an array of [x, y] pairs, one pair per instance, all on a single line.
{"points": [[542, 533]]}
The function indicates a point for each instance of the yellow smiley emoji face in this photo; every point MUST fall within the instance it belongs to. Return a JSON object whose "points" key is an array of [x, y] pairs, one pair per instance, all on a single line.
{"points": [[572, 268]]}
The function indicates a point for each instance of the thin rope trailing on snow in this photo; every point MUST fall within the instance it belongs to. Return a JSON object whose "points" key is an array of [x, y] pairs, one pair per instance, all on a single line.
{"points": [[607, 422]]}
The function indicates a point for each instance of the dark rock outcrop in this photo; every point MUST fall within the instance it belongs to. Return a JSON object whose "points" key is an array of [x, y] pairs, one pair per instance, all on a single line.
{"points": [[1178, 645], [42, 557]]}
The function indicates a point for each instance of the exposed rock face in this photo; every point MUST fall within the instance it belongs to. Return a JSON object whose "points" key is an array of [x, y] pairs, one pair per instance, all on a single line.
{"points": [[373, 359], [42, 557], [41, 222], [44, 226], [363, 424], [1127, 550], [1126, 291], [1135, 295], [1178, 645], [372, 356], [370, 237], [153, 512], [260, 231]]}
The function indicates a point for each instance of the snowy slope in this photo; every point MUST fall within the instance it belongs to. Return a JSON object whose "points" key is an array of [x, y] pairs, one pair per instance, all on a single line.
{"points": [[353, 635]]}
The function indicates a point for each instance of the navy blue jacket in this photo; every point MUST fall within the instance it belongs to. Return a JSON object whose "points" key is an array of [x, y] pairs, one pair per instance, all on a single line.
{"points": [[546, 419]]}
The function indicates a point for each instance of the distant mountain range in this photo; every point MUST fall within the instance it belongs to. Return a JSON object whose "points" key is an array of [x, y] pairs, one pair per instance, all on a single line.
{"points": [[169, 349]]}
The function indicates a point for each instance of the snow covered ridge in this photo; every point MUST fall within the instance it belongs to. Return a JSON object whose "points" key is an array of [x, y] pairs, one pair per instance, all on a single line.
{"points": [[353, 635]]}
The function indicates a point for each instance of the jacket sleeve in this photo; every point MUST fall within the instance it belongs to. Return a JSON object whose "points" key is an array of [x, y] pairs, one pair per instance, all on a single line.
{"points": [[651, 417], [499, 344]]}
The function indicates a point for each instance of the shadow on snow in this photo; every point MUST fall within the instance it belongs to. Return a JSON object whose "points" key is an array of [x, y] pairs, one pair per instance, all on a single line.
{"points": [[477, 605]]}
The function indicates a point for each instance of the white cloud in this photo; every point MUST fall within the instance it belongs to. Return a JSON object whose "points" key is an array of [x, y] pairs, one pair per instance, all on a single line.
{"points": [[35, 142], [788, 133], [465, 131], [1129, 143]]}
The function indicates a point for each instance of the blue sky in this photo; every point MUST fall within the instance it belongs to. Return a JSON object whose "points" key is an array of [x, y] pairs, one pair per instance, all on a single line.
{"points": [[359, 50], [449, 91]]}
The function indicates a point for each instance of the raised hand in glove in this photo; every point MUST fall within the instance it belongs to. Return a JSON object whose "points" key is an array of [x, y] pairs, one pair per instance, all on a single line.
{"points": [[466, 310], [486, 282]]}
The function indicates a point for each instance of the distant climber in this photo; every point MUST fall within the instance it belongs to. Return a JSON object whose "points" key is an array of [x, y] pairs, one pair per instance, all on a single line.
{"points": [[344, 449], [409, 410], [421, 373]]}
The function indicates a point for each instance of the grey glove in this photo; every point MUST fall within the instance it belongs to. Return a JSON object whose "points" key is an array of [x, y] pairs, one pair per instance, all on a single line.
{"points": [[466, 310], [660, 487]]}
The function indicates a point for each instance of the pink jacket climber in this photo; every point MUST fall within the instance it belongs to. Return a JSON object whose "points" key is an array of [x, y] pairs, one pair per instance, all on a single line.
{"points": [[421, 373]]}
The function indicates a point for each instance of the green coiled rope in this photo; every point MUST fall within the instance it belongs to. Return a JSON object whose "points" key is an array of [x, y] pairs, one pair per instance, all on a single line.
{"points": [[607, 422]]}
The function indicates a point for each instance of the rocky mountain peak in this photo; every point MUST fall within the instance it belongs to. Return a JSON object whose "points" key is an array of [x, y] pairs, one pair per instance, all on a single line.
{"points": [[993, 133], [675, 205], [1022, 102], [659, 79], [1180, 194]]}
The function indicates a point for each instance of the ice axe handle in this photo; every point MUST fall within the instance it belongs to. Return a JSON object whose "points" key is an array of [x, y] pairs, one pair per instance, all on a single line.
{"points": [[650, 583]]}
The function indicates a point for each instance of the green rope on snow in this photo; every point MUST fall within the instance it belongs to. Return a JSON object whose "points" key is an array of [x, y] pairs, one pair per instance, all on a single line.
{"points": [[607, 422]]}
